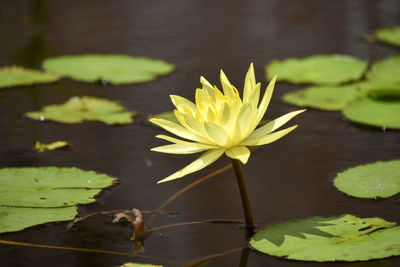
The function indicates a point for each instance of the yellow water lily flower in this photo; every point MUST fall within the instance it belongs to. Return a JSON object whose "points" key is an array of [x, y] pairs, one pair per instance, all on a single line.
{"points": [[221, 123]]}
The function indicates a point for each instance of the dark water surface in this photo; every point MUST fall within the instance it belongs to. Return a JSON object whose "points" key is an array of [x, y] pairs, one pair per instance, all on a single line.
{"points": [[288, 179]]}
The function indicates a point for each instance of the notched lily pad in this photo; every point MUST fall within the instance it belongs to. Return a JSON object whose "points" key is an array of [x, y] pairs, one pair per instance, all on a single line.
{"points": [[379, 108], [343, 238], [333, 98], [41, 147], [86, 108], [386, 70], [16, 76], [31, 196], [15, 219], [376, 180], [389, 35], [116, 69], [50, 186], [319, 69]]}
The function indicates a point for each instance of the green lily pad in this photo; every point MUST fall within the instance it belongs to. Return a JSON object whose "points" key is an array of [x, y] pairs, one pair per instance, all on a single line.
{"points": [[386, 70], [131, 264], [50, 186], [343, 238], [389, 35], [33, 195], [116, 69], [41, 147], [15, 219], [380, 108], [320, 69], [16, 76], [376, 180], [85, 108], [332, 98]]}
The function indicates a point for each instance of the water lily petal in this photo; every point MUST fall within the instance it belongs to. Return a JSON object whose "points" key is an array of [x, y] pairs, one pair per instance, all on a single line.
{"points": [[175, 129], [203, 102], [180, 103], [269, 138], [249, 84], [254, 98], [178, 149], [196, 126], [212, 117], [207, 87], [220, 99], [241, 153], [245, 118], [229, 90], [203, 161], [224, 115], [180, 118], [275, 124], [179, 141], [236, 100], [217, 134], [265, 101]]}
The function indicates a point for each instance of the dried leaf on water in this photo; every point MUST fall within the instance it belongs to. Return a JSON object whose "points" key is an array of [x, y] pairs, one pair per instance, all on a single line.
{"points": [[375, 180], [116, 69], [84, 108], [138, 224], [343, 238], [41, 147]]}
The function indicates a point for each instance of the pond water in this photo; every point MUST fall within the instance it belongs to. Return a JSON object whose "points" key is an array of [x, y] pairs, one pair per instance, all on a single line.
{"points": [[288, 179]]}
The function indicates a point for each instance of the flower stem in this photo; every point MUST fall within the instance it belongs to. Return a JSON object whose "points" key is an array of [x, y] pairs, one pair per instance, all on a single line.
{"points": [[244, 194]]}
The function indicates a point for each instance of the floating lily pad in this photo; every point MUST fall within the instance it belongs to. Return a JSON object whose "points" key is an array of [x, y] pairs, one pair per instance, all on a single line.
{"points": [[380, 108], [50, 186], [85, 108], [15, 219], [130, 264], [41, 147], [389, 35], [386, 70], [30, 196], [379, 179], [343, 238], [320, 69], [17, 76], [116, 69], [332, 98]]}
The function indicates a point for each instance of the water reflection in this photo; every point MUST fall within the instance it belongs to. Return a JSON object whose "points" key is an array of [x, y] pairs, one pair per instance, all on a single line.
{"points": [[32, 54]]}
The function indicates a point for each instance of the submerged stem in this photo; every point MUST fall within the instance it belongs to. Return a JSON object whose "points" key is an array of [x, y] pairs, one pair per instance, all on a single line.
{"points": [[244, 194]]}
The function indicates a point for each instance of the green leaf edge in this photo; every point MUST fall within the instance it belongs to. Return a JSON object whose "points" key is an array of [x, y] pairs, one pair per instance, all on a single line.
{"points": [[340, 175]]}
